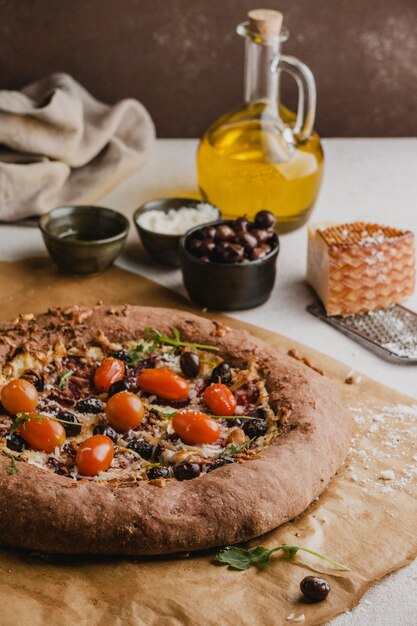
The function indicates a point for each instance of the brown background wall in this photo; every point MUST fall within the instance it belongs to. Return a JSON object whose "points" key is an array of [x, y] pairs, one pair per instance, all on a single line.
{"points": [[183, 60]]}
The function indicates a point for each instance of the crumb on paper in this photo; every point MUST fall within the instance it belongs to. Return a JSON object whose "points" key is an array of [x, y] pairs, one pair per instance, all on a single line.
{"points": [[299, 357], [353, 380], [386, 475], [353, 476], [379, 418]]}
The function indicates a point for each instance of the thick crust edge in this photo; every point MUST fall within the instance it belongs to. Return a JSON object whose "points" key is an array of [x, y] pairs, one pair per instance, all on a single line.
{"points": [[47, 512]]}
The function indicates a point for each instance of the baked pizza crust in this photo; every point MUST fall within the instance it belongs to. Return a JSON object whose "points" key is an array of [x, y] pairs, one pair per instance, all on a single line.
{"points": [[44, 511]]}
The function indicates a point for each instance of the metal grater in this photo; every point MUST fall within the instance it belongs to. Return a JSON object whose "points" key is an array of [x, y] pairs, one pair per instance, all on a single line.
{"points": [[391, 333]]}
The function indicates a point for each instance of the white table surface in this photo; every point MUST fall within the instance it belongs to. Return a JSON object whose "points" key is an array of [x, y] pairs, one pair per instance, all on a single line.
{"points": [[366, 179]]}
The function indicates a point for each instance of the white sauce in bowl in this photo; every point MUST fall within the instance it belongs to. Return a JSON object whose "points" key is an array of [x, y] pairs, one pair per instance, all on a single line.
{"points": [[177, 221]]}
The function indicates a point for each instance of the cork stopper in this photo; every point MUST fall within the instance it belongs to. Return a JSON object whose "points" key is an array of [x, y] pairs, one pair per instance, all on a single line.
{"points": [[265, 22]]}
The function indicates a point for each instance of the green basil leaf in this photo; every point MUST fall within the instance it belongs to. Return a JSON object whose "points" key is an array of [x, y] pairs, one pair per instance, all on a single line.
{"points": [[241, 559], [235, 558], [260, 556]]}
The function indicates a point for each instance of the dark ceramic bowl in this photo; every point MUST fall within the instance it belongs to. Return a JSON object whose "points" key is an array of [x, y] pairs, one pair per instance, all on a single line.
{"points": [[224, 286], [84, 239], [163, 248]]}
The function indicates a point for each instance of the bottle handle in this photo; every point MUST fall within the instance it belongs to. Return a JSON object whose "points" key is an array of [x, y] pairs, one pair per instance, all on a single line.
{"points": [[307, 94]]}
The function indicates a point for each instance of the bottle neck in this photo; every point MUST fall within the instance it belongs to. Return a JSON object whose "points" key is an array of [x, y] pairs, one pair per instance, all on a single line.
{"points": [[261, 82]]}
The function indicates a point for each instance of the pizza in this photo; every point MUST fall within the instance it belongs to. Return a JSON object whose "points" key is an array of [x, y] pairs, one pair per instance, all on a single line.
{"points": [[139, 430]]}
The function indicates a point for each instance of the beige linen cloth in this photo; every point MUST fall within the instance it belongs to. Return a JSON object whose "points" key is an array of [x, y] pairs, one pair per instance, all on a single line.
{"points": [[60, 145]]}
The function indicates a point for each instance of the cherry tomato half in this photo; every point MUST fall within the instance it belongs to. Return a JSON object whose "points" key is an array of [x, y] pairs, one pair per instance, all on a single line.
{"points": [[42, 433], [124, 410], [164, 383], [109, 372], [195, 428], [95, 455], [219, 399], [19, 396]]}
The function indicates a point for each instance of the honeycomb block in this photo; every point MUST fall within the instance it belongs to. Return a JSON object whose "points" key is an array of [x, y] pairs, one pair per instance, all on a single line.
{"points": [[360, 267]]}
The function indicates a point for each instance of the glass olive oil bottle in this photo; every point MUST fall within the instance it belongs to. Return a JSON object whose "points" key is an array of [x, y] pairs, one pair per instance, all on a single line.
{"points": [[263, 156]]}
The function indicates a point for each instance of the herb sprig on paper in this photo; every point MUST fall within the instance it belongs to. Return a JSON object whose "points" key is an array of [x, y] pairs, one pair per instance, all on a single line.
{"points": [[242, 559], [163, 339]]}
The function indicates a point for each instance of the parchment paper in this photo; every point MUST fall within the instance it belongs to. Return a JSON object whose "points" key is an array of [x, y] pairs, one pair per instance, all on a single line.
{"points": [[361, 520]]}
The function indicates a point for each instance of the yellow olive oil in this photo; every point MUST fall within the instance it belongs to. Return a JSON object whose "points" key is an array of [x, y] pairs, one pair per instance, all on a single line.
{"points": [[246, 163]]}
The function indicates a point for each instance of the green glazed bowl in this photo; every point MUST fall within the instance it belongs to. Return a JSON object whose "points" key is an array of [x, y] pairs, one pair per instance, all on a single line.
{"points": [[84, 239]]}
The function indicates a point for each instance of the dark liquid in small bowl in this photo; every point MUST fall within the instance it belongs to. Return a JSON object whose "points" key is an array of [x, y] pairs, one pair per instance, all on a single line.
{"points": [[84, 240], [84, 236], [87, 224]]}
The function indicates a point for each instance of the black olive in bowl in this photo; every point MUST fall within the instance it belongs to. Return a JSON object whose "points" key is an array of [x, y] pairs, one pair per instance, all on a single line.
{"points": [[230, 277]]}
